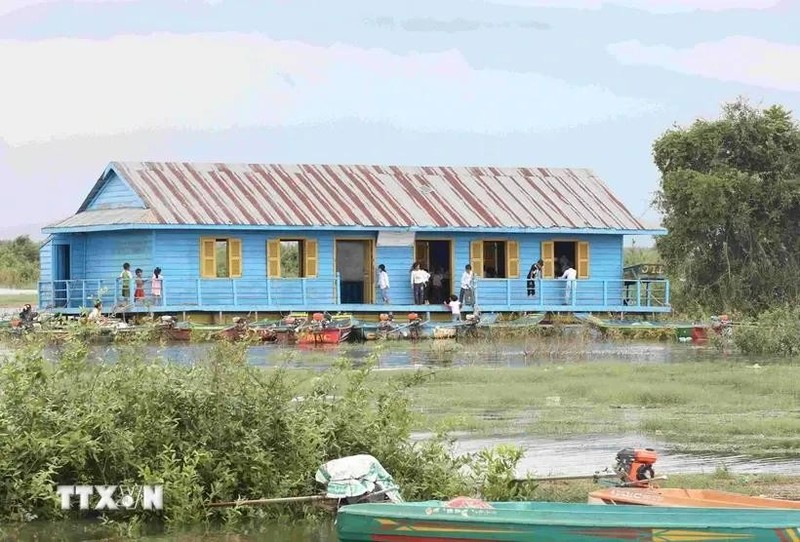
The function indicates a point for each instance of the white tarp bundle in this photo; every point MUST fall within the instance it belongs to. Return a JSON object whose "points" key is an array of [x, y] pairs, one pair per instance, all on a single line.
{"points": [[355, 476]]}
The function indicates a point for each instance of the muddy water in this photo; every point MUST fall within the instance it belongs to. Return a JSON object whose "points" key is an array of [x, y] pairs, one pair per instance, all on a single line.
{"points": [[399, 355], [587, 455]]}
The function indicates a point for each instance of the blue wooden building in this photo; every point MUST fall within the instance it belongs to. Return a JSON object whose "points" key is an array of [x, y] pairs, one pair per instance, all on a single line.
{"points": [[239, 238]]}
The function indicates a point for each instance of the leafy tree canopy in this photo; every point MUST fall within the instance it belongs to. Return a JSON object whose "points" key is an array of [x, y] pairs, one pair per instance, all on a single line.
{"points": [[19, 262], [730, 197]]}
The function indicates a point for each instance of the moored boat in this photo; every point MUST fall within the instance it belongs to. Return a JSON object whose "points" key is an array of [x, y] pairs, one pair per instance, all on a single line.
{"points": [[439, 521], [685, 498], [323, 329]]}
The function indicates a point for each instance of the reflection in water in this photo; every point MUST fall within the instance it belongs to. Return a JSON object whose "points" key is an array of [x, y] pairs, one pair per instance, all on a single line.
{"points": [[405, 354]]}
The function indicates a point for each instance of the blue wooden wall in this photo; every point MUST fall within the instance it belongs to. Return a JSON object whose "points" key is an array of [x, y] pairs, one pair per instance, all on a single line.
{"points": [[99, 256], [116, 193], [46, 260]]}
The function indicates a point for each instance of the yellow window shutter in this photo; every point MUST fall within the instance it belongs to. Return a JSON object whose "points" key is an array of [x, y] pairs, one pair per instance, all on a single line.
{"points": [[235, 258], [549, 257], [583, 260], [311, 250], [513, 259], [476, 257], [421, 254], [274, 258], [208, 259]]}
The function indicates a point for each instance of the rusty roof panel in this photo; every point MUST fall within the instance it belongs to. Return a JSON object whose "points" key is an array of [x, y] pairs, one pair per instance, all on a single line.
{"points": [[375, 196]]}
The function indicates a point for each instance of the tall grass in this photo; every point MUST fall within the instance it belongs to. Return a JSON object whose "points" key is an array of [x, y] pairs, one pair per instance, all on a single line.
{"points": [[215, 431], [775, 331]]}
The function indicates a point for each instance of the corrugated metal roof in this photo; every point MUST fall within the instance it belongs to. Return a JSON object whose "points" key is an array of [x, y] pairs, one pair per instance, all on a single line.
{"points": [[377, 196], [106, 217]]}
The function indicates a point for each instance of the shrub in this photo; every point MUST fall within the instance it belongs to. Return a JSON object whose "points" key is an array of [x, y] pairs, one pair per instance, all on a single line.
{"points": [[218, 430]]}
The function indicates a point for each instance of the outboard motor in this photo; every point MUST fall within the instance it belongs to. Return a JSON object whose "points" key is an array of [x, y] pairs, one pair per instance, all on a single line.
{"points": [[414, 325], [636, 464]]}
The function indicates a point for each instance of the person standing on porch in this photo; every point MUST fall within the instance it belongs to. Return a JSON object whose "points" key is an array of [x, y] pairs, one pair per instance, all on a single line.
{"points": [[156, 286], [419, 277], [383, 283], [533, 276], [125, 279], [569, 275], [467, 294]]}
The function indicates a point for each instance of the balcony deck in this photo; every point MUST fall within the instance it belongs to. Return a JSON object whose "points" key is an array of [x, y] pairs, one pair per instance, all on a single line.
{"points": [[324, 294]]}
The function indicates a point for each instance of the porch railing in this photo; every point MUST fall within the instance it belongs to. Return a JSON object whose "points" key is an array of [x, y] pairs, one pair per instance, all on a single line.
{"points": [[305, 292]]}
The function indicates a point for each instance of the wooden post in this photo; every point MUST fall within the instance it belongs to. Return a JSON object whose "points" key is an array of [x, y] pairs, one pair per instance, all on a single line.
{"points": [[235, 296], [605, 293], [269, 291], [199, 295], [303, 290], [508, 293]]}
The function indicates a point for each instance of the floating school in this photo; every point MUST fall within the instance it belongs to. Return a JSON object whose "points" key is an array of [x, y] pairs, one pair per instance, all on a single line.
{"points": [[235, 239]]}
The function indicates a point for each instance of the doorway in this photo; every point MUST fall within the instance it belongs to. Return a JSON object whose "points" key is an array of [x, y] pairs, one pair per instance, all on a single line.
{"points": [[565, 254], [437, 257], [354, 263], [61, 274]]}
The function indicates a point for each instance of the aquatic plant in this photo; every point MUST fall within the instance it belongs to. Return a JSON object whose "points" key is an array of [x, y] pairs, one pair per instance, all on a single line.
{"points": [[773, 332], [218, 430]]}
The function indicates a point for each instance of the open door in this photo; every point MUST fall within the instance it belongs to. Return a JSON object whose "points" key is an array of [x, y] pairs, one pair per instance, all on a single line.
{"points": [[61, 274], [355, 265]]}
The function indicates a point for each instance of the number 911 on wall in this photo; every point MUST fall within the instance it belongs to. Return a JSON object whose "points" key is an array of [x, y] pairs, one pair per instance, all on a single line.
{"points": [[112, 497]]}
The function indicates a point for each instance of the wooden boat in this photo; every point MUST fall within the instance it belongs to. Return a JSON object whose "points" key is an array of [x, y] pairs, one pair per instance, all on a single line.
{"points": [[437, 521], [685, 498], [523, 322], [322, 330], [417, 328], [170, 329], [282, 331], [695, 331]]}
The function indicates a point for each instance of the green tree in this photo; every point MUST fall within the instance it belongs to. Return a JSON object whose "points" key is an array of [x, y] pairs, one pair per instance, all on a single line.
{"points": [[19, 262], [730, 198]]}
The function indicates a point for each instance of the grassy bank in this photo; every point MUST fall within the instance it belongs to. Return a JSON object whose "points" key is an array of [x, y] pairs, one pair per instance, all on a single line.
{"points": [[701, 407]]}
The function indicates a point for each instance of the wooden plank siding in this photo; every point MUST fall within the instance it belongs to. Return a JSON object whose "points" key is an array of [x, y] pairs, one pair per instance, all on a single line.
{"points": [[116, 194], [98, 258]]}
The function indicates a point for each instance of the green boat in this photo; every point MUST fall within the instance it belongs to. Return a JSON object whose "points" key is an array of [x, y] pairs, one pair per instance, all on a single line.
{"points": [[438, 521]]}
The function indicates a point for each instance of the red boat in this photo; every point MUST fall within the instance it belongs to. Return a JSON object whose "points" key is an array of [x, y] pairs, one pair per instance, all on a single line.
{"points": [[322, 330]]}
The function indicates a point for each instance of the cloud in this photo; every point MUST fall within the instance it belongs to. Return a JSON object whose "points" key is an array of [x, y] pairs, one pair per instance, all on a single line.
{"points": [[68, 87], [738, 59], [430, 24], [654, 6], [8, 6]]}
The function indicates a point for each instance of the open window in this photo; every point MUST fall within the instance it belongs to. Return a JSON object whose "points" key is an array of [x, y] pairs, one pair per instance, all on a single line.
{"points": [[495, 259], [220, 258], [560, 255], [291, 258]]}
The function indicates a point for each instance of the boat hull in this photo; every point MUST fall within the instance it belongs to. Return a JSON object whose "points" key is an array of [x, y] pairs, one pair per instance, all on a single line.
{"points": [[685, 498], [433, 521]]}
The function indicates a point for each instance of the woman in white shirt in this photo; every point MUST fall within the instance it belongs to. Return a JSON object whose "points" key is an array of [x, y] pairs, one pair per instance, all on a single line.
{"points": [[419, 278]]}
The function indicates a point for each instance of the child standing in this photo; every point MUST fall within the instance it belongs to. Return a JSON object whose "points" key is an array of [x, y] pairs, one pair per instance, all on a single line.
{"points": [[138, 294], [383, 283], [455, 308], [125, 279], [155, 285]]}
